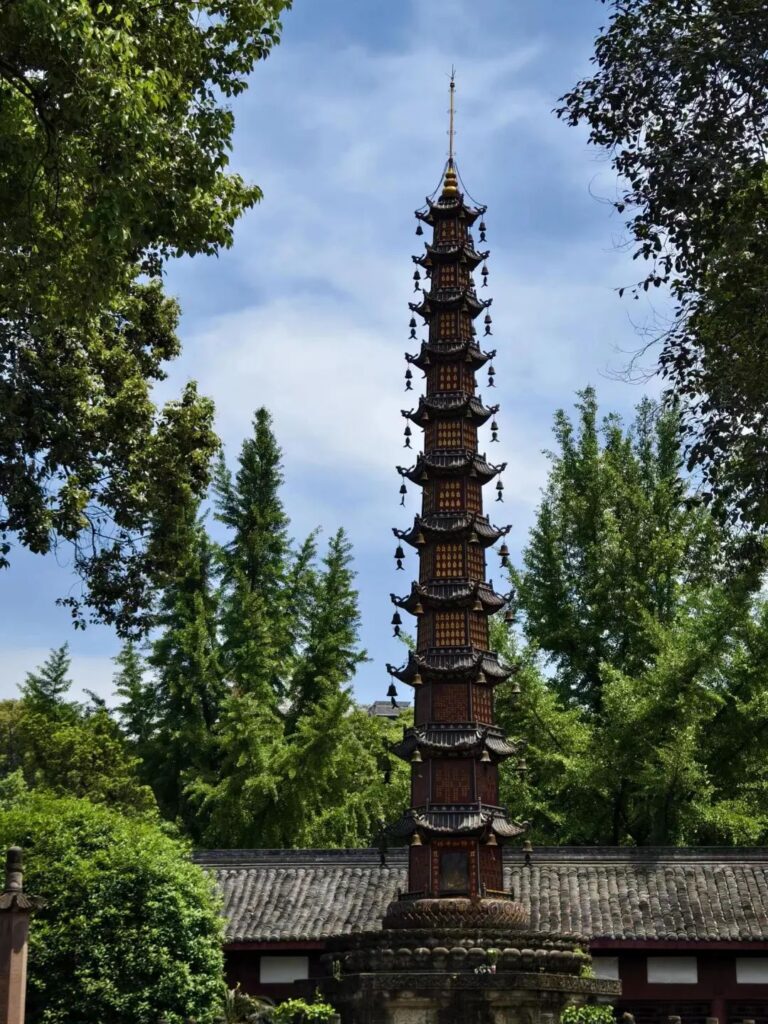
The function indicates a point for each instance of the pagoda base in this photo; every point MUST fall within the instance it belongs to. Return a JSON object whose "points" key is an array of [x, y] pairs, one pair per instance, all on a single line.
{"points": [[458, 976], [456, 912]]}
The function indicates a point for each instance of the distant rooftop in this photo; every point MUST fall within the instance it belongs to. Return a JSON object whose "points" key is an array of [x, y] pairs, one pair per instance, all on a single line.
{"points": [[384, 709]]}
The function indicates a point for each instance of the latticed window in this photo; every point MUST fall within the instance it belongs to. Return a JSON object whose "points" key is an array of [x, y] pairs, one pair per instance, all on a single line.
{"points": [[449, 496], [452, 782], [449, 434], [464, 327], [475, 562], [482, 704], [450, 629], [446, 231], [474, 499], [426, 563], [478, 630], [449, 276], [429, 498], [446, 325], [449, 560]]}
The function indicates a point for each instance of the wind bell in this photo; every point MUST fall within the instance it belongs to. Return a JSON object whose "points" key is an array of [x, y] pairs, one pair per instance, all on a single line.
{"points": [[408, 379], [407, 435], [499, 489], [484, 272], [504, 552], [491, 375], [397, 623], [494, 430], [416, 280], [487, 321], [412, 325], [400, 555], [403, 492], [482, 230]]}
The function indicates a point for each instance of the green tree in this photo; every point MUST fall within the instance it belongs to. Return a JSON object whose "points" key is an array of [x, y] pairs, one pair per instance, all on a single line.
{"points": [[652, 728], [131, 928], [616, 546], [256, 567], [114, 138], [47, 688], [188, 685], [679, 99]]}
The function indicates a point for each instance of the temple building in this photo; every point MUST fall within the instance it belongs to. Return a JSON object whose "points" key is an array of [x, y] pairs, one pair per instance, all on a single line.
{"points": [[446, 924]]}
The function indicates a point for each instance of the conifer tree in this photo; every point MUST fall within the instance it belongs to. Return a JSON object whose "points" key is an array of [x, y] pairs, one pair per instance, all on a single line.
{"points": [[47, 688], [138, 711], [255, 566]]}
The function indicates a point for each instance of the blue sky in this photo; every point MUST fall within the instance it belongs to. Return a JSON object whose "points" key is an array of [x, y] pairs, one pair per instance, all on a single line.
{"points": [[344, 127]]}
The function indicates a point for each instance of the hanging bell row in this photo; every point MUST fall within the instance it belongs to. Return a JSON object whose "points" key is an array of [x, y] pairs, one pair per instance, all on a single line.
{"points": [[494, 430], [499, 491], [416, 280], [397, 623], [407, 435], [408, 380], [400, 555], [491, 381], [487, 320], [504, 552], [484, 273], [482, 230]]}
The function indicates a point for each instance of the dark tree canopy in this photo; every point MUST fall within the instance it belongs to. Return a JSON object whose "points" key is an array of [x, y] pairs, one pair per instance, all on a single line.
{"points": [[114, 143], [679, 98]]}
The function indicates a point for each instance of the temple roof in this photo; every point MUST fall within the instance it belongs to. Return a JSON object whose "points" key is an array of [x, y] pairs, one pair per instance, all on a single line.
{"points": [[446, 207], [450, 404], [465, 820], [457, 594], [449, 299], [448, 351], [439, 525], [651, 893], [451, 664], [445, 252], [449, 739], [451, 463]]}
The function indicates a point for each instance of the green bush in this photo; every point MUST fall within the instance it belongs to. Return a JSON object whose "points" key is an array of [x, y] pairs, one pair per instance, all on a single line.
{"points": [[588, 1015], [297, 1011], [131, 929]]}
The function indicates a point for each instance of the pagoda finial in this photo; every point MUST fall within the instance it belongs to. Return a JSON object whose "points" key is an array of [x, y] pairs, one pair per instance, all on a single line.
{"points": [[450, 182]]}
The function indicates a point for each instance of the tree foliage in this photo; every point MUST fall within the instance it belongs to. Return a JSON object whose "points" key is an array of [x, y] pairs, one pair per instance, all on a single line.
{"points": [[131, 928], [114, 140], [679, 99], [651, 729]]}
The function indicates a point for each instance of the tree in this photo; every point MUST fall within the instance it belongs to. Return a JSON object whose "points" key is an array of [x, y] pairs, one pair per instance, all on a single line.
{"points": [[256, 567], [47, 688], [616, 546], [114, 139], [131, 928], [651, 730], [188, 685], [679, 99]]}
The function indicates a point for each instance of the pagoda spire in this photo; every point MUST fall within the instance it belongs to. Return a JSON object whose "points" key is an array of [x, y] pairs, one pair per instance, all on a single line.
{"points": [[454, 824]]}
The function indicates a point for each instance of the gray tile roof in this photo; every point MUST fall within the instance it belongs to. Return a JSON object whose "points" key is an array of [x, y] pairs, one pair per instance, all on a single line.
{"points": [[713, 894]]}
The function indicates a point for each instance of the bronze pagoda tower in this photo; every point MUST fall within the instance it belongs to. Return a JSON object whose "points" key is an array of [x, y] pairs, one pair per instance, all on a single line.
{"points": [[455, 946], [455, 824]]}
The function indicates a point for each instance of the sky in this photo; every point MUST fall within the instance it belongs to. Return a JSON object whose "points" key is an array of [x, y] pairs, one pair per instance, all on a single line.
{"points": [[344, 127]]}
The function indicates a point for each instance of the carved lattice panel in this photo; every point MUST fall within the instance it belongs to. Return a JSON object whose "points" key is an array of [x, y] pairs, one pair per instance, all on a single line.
{"points": [[482, 704], [487, 783], [447, 325], [449, 434], [426, 562], [450, 497], [491, 869], [450, 629], [474, 497], [418, 870], [465, 326], [429, 497], [475, 562], [446, 231], [450, 702], [478, 630], [448, 276], [449, 561], [452, 782]]}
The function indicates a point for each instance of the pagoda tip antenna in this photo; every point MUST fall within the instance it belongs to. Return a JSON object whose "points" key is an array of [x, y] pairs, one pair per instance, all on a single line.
{"points": [[451, 131]]}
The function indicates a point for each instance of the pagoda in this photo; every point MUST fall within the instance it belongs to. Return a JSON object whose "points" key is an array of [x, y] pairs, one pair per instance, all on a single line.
{"points": [[455, 947], [455, 824]]}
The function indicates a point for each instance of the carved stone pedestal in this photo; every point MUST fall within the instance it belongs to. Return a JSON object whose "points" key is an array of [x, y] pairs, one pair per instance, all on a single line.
{"points": [[454, 976]]}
